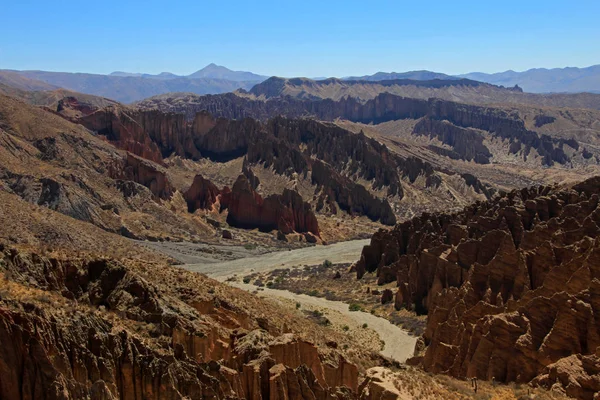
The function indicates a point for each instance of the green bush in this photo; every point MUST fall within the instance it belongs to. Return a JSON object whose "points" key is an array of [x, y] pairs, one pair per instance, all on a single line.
{"points": [[327, 264], [365, 325], [298, 306], [354, 307], [345, 328]]}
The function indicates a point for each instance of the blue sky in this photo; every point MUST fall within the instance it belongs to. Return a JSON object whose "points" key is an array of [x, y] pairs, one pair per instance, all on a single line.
{"points": [[307, 38]]}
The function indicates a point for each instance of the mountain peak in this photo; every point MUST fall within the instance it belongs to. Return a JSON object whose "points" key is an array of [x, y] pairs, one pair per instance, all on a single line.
{"points": [[214, 71]]}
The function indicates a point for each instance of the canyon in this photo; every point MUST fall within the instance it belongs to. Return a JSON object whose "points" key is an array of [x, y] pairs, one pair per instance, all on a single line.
{"points": [[130, 230]]}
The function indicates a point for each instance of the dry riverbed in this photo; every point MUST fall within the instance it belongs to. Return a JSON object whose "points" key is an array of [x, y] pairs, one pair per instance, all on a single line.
{"points": [[365, 329]]}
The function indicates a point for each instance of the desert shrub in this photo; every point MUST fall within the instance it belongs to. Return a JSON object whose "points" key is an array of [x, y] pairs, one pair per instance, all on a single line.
{"points": [[354, 307]]}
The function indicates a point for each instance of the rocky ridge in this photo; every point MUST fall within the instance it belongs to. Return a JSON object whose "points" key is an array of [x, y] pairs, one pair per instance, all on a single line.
{"points": [[495, 122], [510, 286], [286, 212], [126, 336]]}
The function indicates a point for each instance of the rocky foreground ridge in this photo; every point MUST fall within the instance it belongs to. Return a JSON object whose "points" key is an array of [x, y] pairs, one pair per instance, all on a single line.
{"points": [[99, 329], [511, 286]]}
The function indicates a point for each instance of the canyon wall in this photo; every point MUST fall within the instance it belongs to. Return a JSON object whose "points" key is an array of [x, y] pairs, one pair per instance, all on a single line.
{"points": [[510, 286]]}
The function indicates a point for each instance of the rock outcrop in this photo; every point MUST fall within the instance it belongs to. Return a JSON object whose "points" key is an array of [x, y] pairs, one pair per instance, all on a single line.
{"points": [[121, 129], [201, 195], [145, 173], [511, 286], [95, 328], [503, 125], [299, 146], [285, 212], [466, 144], [169, 131], [350, 196]]}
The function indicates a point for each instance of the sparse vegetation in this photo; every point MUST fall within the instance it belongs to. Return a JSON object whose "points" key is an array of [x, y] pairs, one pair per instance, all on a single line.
{"points": [[354, 307]]}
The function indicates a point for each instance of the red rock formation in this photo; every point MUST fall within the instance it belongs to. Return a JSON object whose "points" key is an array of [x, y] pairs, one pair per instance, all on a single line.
{"points": [[70, 107], [201, 195], [286, 212], [145, 173], [121, 129], [511, 286]]}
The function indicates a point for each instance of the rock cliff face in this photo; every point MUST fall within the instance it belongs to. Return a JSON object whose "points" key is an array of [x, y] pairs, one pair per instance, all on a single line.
{"points": [[168, 131], [503, 125], [387, 107], [384, 107], [285, 212], [292, 146], [99, 329], [467, 144], [361, 156], [201, 195], [121, 129], [298, 146], [71, 108], [350, 196], [511, 286], [145, 173]]}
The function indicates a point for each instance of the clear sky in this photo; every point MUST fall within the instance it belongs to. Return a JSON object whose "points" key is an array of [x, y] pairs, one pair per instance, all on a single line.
{"points": [[304, 38]]}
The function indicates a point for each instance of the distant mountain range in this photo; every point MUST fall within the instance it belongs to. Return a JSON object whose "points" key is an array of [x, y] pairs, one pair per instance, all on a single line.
{"points": [[537, 80], [542, 80], [128, 87], [211, 71], [414, 75]]}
